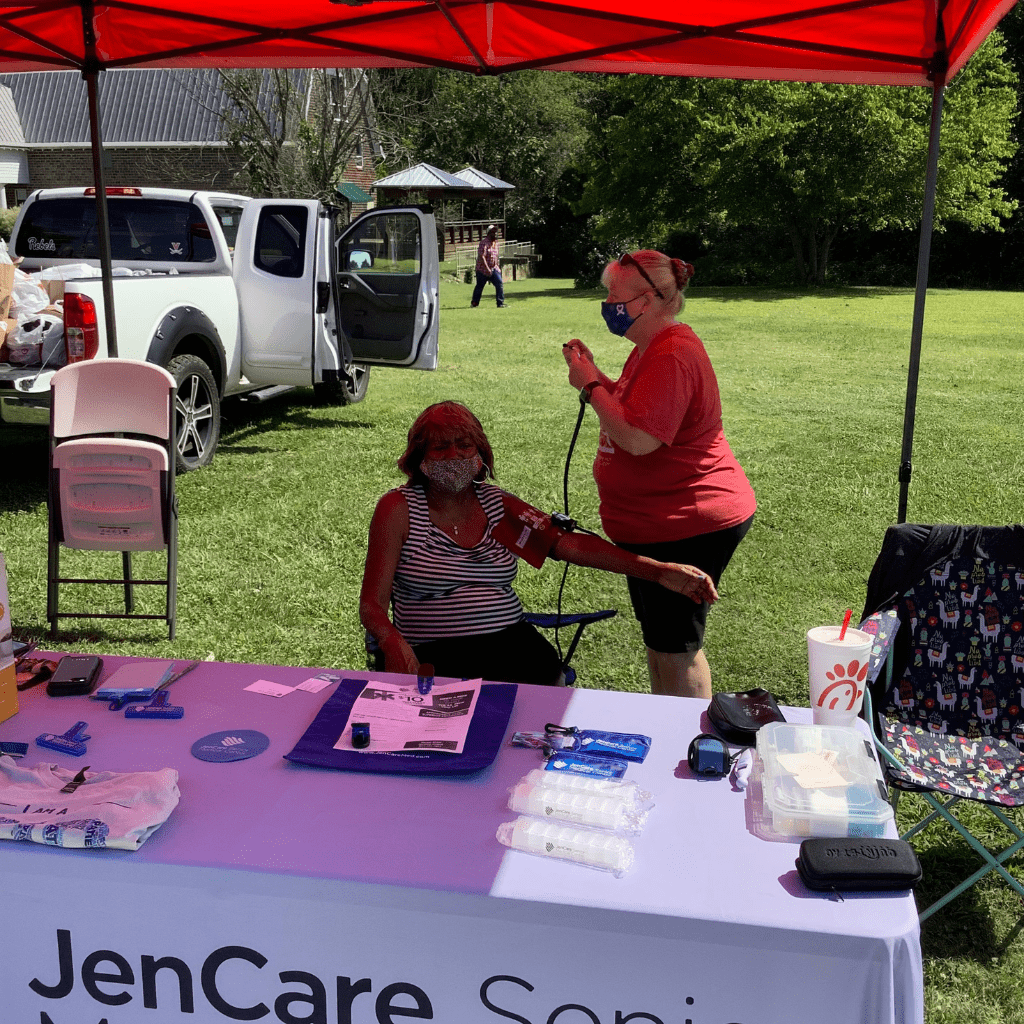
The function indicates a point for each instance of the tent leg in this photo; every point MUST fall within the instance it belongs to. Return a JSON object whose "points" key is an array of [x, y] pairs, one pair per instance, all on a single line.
{"points": [[90, 72], [923, 258]]}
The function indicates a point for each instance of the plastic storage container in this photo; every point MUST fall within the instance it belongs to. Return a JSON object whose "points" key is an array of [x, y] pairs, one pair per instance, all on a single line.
{"points": [[821, 780]]}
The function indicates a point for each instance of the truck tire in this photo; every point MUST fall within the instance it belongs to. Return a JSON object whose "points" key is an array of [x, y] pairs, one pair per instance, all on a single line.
{"points": [[196, 412], [341, 391]]}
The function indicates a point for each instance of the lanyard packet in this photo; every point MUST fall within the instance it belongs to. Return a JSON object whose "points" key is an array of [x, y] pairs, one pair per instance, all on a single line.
{"points": [[585, 764], [629, 745]]}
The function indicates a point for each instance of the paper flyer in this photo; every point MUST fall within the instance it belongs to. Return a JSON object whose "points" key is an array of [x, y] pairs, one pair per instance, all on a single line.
{"points": [[403, 719]]}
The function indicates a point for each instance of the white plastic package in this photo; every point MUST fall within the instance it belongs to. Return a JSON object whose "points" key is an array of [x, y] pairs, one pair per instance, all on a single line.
{"points": [[27, 295], [604, 851], [69, 271], [573, 808], [597, 803], [38, 340], [620, 788]]}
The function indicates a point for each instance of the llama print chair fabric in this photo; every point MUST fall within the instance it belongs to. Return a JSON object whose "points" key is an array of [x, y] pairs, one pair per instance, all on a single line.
{"points": [[952, 712]]}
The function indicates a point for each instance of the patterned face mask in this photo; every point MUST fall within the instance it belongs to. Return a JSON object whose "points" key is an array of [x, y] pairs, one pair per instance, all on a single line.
{"points": [[452, 475], [616, 317]]}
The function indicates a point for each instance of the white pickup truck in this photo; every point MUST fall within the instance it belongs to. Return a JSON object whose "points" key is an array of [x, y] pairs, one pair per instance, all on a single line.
{"points": [[238, 295]]}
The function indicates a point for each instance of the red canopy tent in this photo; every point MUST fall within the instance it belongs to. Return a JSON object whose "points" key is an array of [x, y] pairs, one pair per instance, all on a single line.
{"points": [[890, 42], [875, 42]]}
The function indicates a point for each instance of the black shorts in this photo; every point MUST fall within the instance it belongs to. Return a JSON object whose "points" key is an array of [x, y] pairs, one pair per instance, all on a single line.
{"points": [[516, 654], [671, 623]]}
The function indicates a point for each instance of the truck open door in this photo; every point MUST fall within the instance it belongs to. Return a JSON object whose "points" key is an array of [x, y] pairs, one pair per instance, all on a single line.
{"points": [[318, 306], [387, 288]]}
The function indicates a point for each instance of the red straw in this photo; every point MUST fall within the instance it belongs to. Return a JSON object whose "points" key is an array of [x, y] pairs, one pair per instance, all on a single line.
{"points": [[846, 622]]}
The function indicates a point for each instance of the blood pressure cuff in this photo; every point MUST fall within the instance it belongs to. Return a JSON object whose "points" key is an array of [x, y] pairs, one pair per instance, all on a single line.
{"points": [[526, 531]]}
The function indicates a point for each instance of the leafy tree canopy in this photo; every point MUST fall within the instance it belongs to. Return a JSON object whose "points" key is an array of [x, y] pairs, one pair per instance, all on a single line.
{"points": [[525, 128], [295, 129], [799, 160]]}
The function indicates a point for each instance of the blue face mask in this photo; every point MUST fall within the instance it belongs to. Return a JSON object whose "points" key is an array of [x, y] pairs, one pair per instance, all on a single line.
{"points": [[616, 317]]}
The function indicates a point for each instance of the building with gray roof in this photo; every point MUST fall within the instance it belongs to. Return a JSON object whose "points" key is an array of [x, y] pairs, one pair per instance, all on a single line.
{"points": [[160, 127]]}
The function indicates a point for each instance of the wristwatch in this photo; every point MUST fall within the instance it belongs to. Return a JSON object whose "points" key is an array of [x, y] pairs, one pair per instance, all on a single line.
{"points": [[587, 391]]}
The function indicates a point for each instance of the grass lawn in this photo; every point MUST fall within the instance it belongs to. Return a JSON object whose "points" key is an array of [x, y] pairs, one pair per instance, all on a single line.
{"points": [[273, 533]]}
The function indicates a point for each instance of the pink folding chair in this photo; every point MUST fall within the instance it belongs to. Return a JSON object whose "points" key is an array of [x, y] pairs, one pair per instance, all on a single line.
{"points": [[111, 484]]}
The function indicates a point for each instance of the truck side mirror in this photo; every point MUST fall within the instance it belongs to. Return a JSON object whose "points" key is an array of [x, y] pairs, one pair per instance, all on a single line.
{"points": [[359, 259]]}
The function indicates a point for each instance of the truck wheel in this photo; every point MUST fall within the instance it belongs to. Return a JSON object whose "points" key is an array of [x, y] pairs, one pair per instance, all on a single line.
{"points": [[341, 392], [196, 412]]}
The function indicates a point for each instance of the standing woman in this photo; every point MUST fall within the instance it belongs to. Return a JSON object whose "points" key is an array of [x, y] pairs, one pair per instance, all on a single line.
{"points": [[669, 484], [435, 560]]}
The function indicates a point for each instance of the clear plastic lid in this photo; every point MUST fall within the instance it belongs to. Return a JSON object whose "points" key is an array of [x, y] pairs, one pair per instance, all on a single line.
{"points": [[822, 780]]}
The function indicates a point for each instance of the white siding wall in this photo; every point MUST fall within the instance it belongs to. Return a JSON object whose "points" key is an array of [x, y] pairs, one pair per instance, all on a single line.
{"points": [[13, 169]]}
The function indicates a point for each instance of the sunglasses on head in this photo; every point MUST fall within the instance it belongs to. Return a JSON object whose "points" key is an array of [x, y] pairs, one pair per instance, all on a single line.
{"points": [[625, 260]]}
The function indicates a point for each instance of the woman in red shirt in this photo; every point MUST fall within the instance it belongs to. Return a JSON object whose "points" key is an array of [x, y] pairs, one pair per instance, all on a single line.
{"points": [[669, 484]]}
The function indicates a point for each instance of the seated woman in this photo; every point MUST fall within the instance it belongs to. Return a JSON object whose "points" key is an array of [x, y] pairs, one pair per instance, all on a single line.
{"points": [[432, 556]]}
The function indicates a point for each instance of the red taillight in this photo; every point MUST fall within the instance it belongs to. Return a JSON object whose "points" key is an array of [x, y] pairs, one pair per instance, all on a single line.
{"points": [[122, 191], [81, 336]]}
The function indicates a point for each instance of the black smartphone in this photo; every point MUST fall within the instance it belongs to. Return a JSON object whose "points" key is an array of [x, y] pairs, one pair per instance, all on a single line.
{"points": [[74, 675]]}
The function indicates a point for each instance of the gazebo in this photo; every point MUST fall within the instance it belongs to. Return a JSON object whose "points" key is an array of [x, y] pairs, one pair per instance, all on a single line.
{"points": [[484, 193]]}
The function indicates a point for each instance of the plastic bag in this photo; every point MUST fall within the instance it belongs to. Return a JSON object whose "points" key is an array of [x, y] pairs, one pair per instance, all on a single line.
{"points": [[27, 296], [68, 271], [37, 341], [4, 351], [593, 847], [615, 806], [52, 278]]}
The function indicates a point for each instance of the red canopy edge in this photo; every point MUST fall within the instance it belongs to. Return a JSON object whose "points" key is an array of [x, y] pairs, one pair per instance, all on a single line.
{"points": [[882, 42]]}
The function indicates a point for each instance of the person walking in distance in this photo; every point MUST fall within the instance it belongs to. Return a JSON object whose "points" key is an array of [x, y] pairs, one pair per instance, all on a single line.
{"points": [[488, 268]]}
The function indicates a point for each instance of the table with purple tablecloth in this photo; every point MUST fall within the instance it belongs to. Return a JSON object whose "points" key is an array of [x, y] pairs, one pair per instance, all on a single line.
{"points": [[283, 892]]}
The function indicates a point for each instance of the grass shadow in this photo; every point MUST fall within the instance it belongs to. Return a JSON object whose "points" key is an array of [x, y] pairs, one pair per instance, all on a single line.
{"points": [[23, 453], [535, 287], [751, 294], [241, 419], [981, 923]]}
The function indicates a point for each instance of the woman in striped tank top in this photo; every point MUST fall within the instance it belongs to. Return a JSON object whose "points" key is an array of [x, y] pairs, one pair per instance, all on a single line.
{"points": [[433, 559]]}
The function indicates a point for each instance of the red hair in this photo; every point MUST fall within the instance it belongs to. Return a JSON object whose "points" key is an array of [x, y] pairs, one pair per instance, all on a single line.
{"points": [[670, 276], [444, 417]]}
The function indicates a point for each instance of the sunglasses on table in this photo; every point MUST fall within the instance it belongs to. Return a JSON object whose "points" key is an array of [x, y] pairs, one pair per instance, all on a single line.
{"points": [[625, 260]]}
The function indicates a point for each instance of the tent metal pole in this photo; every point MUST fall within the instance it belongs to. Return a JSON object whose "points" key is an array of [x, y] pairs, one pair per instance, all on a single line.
{"points": [[90, 72], [923, 258]]}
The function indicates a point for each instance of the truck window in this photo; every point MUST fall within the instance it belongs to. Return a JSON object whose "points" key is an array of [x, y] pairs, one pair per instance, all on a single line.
{"points": [[385, 243], [141, 229], [281, 240], [229, 218]]}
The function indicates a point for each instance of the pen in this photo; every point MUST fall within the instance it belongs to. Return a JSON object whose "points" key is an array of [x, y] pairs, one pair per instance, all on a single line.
{"points": [[170, 676]]}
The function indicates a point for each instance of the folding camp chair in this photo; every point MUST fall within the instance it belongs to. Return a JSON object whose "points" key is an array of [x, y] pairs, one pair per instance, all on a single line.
{"points": [[111, 481], [947, 707], [375, 657]]}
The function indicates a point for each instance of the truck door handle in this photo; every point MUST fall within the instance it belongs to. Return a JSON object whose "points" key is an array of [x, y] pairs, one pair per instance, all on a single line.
{"points": [[323, 296]]}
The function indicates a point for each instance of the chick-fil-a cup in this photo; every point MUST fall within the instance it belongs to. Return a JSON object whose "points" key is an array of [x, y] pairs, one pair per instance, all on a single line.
{"points": [[837, 671]]}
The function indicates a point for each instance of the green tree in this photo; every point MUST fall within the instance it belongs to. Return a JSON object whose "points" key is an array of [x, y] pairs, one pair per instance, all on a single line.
{"points": [[797, 161], [527, 128], [295, 129]]}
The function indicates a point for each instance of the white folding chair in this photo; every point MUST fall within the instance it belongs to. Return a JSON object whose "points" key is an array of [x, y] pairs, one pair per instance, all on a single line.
{"points": [[111, 481]]}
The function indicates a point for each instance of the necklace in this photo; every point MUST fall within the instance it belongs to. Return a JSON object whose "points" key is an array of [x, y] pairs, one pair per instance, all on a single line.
{"points": [[456, 529]]}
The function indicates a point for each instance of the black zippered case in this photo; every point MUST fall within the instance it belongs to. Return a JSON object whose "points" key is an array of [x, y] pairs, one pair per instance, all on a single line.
{"points": [[857, 865], [737, 716]]}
